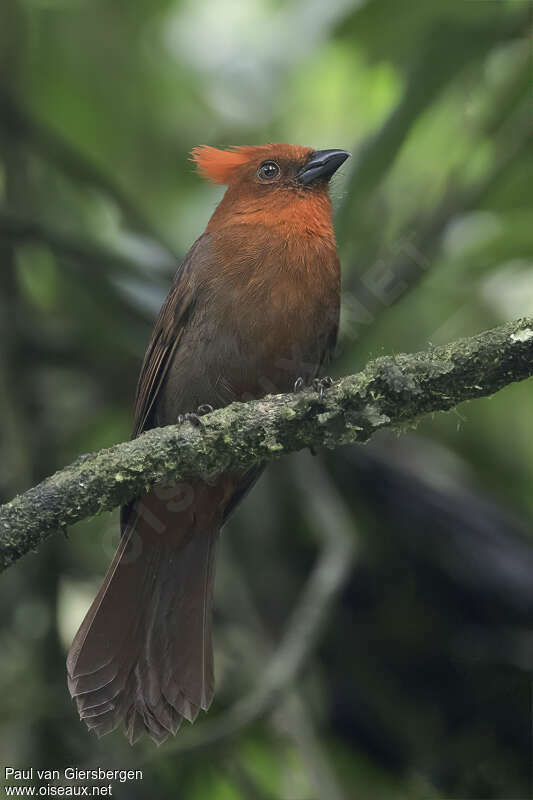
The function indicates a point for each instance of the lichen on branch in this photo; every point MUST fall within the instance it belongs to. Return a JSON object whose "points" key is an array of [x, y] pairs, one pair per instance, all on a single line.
{"points": [[390, 391]]}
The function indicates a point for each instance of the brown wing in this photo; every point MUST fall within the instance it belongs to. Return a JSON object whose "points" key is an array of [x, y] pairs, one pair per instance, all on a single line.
{"points": [[166, 337], [329, 349]]}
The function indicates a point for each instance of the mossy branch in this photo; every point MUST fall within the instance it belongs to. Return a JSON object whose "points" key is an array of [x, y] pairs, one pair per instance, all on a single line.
{"points": [[390, 391]]}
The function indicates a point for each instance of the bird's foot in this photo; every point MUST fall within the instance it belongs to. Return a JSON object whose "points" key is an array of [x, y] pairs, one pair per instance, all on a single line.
{"points": [[191, 417], [321, 384], [299, 385], [194, 416]]}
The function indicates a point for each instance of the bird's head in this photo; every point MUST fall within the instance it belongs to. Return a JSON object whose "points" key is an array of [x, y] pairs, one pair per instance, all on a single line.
{"points": [[272, 180], [269, 167]]}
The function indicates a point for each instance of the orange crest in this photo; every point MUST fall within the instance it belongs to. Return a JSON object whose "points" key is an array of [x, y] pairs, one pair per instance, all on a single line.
{"points": [[217, 165]]}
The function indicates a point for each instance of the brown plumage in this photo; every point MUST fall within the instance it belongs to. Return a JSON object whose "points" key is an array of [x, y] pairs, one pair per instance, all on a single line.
{"points": [[253, 307]]}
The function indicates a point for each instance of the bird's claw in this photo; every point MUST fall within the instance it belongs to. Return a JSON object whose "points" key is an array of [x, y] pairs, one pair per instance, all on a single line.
{"points": [[321, 384]]}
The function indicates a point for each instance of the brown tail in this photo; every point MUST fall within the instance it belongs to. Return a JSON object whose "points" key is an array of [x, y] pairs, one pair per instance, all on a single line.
{"points": [[143, 652]]}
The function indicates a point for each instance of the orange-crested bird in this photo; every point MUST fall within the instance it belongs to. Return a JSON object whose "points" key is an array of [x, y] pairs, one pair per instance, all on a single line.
{"points": [[253, 307]]}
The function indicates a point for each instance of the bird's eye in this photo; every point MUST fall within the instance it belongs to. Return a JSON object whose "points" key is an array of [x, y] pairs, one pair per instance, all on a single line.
{"points": [[268, 171]]}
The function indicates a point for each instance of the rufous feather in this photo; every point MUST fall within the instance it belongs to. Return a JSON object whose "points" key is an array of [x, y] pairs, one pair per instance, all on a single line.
{"points": [[217, 165]]}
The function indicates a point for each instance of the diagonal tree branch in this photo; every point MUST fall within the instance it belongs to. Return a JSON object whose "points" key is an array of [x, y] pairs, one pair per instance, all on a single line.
{"points": [[390, 391]]}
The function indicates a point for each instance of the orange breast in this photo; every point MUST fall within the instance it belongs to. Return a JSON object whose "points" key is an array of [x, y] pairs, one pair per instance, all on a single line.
{"points": [[278, 297]]}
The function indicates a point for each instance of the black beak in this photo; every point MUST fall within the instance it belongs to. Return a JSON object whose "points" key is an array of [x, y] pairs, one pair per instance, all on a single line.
{"points": [[321, 165]]}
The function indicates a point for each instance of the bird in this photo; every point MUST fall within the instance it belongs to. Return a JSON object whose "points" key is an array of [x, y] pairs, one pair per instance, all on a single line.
{"points": [[253, 310]]}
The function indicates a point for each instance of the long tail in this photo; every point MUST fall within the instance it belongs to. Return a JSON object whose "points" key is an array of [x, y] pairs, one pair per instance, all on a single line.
{"points": [[143, 653]]}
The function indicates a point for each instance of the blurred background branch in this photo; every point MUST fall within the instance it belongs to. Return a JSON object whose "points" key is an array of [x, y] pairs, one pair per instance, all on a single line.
{"points": [[19, 124], [88, 255]]}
